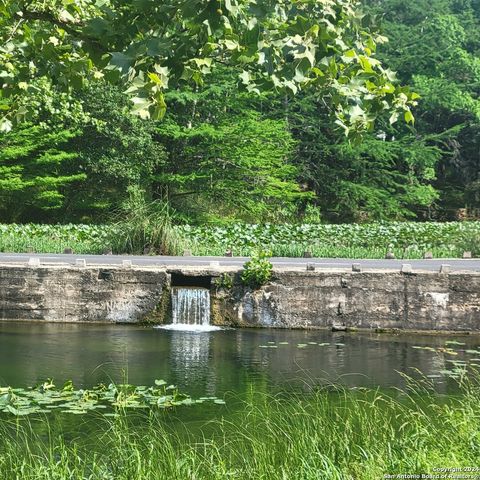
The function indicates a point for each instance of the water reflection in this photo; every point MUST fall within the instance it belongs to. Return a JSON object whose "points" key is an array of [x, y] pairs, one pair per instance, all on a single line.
{"points": [[217, 362], [189, 360]]}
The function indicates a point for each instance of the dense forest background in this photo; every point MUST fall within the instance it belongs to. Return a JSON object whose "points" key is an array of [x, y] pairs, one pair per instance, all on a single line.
{"points": [[222, 155]]}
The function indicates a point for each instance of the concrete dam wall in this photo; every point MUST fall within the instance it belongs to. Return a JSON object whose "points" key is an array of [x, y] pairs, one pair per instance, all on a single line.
{"points": [[294, 298], [72, 294]]}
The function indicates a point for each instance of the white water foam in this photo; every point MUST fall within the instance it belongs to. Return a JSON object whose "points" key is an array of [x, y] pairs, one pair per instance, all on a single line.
{"points": [[186, 327]]}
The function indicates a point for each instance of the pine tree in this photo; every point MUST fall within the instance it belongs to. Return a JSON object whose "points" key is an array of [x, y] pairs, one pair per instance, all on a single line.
{"points": [[33, 173]]}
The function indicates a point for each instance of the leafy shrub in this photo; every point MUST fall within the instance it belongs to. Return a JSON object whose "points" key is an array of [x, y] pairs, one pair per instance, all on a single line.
{"points": [[258, 270], [312, 215]]}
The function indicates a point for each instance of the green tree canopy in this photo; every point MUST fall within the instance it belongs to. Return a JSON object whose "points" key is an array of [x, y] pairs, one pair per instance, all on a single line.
{"points": [[78, 169], [435, 47], [226, 159], [116, 151], [150, 46]]}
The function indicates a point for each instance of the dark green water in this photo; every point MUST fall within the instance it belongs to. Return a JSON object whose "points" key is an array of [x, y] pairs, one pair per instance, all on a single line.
{"points": [[223, 361]]}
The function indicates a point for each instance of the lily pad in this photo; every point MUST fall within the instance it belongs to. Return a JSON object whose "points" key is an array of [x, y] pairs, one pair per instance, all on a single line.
{"points": [[46, 398]]}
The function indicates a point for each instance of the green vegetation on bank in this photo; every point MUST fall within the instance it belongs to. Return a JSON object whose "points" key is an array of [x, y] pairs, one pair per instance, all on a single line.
{"points": [[374, 240], [332, 433], [53, 238], [138, 234]]}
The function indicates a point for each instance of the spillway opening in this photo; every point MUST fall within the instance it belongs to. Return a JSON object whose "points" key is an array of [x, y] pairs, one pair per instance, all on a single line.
{"points": [[190, 303], [180, 280]]}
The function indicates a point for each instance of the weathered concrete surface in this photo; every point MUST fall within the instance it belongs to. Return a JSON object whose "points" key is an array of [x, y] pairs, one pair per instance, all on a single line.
{"points": [[70, 294], [294, 298], [418, 301]]}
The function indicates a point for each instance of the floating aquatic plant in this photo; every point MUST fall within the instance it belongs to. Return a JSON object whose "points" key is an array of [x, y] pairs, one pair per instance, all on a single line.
{"points": [[46, 398]]}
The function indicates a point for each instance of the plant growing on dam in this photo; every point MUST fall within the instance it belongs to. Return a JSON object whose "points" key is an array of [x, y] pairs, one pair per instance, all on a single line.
{"points": [[258, 270], [224, 281]]}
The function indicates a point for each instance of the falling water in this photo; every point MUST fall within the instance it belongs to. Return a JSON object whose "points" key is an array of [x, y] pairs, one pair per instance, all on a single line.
{"points": [[191, 306], [190, 309]]}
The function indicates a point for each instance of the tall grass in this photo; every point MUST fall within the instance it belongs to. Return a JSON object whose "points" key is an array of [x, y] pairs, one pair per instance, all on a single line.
{"points": [[145, 227], [340, 434]]}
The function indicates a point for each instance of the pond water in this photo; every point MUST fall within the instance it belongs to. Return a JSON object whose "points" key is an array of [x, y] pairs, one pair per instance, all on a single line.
{"points": [[232, 360]]}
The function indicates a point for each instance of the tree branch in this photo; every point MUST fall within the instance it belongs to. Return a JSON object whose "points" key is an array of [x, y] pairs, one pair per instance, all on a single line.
{"points": [[50, 18], [182, 194], [69, 27]]}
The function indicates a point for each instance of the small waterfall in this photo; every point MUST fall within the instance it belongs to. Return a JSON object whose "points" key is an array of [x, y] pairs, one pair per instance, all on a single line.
{"points": [[190, 309], [190, 306]]}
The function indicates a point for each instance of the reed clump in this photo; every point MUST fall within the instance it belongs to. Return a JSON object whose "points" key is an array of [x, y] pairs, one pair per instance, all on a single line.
{"points": [[145, 227]]}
